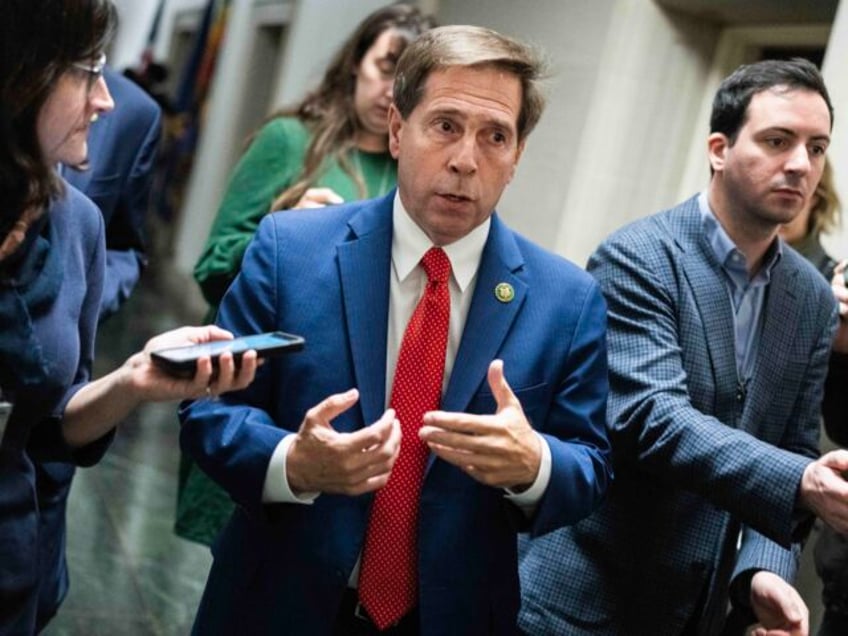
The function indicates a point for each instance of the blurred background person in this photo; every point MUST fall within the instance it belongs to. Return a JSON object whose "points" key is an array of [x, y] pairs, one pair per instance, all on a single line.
{"points": [[116, 176], [52, 268], [330, 148], [821, 216], [830, 554]]}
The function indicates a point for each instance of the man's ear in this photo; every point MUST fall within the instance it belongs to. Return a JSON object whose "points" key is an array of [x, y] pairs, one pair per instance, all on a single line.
{"points": [[395, 130], [717, 145]]}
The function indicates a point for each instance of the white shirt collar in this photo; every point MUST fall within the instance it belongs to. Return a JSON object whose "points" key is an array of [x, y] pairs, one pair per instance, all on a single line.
{"points": [[410, 243]]}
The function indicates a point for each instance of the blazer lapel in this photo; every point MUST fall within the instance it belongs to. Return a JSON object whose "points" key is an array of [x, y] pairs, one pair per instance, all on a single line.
{"points": [[364, 266], [489, 319], [703, 273], [781, 315]]}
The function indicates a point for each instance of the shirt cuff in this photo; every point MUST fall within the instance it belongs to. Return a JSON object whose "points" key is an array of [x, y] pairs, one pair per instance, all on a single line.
{"points": [[530, 498], [276, 488]]}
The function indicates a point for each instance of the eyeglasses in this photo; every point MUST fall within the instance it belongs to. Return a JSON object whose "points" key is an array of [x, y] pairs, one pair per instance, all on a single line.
{"points": [[95, 71]]}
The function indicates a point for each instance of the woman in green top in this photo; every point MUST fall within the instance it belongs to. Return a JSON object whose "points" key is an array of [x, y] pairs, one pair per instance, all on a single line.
{"points": [[332, 147]]}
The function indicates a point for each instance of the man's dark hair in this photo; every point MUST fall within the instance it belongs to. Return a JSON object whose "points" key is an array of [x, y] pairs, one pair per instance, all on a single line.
{"points": [[730, 105]]}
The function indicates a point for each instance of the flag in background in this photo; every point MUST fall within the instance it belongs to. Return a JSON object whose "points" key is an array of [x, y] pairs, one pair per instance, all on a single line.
{"points": [[189, 99], [197, 72], [147, 53]]}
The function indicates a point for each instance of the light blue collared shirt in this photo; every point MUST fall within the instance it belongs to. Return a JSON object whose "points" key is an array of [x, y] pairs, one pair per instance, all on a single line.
{"points": [[747, 295]]}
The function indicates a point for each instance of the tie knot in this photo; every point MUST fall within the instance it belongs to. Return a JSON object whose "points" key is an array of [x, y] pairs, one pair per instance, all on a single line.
{"points": [[437, 265]]}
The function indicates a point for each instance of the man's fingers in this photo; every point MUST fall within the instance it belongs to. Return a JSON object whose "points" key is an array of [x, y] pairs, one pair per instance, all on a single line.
{"points": [[778, 606], [369, 451], [325, 460], [331, 407], [464, 442], [466, 423], [319, 197], [837, 460], [504, 397], [372, 436], [369, 468]]}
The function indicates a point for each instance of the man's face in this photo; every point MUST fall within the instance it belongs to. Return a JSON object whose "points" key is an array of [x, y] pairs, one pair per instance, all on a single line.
{"points": [[458, 149], [770, 174]]}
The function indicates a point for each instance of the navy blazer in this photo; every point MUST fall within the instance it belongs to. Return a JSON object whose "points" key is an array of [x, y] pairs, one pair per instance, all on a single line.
{"points": [[282, 568], [64, 329], [696, 458], [122, 148]]}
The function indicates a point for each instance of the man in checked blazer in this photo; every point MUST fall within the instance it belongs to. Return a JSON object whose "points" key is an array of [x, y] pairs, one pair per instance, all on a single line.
{"points": [[719, 337]]}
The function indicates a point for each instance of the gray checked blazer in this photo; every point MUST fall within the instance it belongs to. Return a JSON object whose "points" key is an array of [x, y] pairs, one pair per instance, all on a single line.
{"points": [[698, 458]]}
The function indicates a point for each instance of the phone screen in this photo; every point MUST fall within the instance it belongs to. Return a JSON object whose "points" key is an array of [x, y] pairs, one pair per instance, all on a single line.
{"points": [[259, 342]]}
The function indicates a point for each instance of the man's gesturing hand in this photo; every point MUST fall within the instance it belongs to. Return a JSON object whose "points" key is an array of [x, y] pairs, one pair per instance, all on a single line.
{"points": [[778, 607], [499, 450], [824, 489], [320, 459]]}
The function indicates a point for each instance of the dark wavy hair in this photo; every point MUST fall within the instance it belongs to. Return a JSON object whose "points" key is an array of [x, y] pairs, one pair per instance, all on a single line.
{"points": [[329, 112], [730, 105], [39, 41]]}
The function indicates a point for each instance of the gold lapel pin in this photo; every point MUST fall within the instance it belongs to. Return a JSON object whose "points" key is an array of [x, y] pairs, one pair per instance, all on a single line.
{"points": [[504, 292]]}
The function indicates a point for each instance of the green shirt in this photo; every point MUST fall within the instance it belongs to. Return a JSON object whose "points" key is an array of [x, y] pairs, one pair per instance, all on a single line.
{"points": [[271, 164]]}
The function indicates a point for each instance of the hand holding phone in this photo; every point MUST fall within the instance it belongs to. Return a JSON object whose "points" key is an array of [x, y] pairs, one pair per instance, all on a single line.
{"points": [[181, 362]]}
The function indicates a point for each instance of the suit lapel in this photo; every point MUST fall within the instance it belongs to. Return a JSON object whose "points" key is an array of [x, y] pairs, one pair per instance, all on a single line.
{"points": [[489, 319], [780, 318], [706, 282], [364, 266]]}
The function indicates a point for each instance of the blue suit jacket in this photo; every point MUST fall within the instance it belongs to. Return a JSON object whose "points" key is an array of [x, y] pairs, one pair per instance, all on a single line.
{"points": [[121, 149], [282, 568], [696, 460]]}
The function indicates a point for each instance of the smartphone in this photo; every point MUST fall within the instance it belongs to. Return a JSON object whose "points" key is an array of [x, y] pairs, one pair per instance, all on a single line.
{"points": [[182, 361]]}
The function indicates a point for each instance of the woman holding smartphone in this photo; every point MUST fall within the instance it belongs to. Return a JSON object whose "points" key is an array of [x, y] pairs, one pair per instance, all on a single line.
{"points": [[52, 264]]}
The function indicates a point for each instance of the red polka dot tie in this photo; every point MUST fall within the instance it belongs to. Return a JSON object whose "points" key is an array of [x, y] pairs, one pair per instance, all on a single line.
{"points": [[388, 579]]}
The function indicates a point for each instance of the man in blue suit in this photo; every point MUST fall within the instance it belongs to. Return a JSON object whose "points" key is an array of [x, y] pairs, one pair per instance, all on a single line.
{"points": [[719, 339], [117, 177], [308, 449]]}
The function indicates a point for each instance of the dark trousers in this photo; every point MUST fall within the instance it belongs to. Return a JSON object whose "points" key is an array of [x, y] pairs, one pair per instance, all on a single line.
{"points": [[352, 620]]}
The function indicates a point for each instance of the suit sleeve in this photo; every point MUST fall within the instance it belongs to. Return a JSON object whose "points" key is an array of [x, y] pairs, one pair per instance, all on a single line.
{"points": [[575, 431], [233, 438], [263, 172], [758, 552], [653, 424]]}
